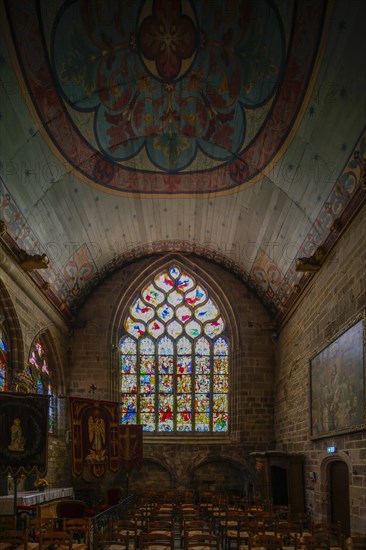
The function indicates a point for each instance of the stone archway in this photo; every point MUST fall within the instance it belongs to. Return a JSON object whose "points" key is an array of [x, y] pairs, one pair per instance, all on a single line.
{"points": [[335, 490], [221, 475]]}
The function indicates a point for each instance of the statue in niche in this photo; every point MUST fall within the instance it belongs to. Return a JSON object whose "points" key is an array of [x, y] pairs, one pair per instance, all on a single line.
{"points": [[17, 438]]}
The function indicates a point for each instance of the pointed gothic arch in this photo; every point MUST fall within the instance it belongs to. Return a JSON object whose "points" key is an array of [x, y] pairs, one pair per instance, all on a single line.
{"points": [[182, 327], [13, 333], [43, 368]]}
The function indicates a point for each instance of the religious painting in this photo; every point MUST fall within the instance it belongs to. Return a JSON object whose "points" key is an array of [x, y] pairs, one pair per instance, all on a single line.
{"points": [[94, 427], [337, 380], [24, 433], [130, 446]]}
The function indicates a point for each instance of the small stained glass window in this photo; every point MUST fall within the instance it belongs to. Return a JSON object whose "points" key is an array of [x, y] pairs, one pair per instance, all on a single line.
{"points": [[4, 361], [38, 368], [175, 358]]}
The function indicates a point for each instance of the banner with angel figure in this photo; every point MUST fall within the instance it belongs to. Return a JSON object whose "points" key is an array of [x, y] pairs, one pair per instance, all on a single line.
{"points": [[94, 427]]}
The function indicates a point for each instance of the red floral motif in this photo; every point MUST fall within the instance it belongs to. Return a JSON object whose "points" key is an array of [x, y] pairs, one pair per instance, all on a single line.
{"points": [[167, 37]]}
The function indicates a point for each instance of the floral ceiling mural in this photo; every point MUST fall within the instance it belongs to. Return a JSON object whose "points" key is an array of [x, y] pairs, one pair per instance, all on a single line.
{"points": [[147, 96]]}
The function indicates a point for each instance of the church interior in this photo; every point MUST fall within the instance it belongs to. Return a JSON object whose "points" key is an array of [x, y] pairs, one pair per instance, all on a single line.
{"points": [[183, 294]]}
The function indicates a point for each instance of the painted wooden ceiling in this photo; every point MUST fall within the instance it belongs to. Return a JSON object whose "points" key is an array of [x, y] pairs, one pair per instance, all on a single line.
{"points": [[231, 130]]}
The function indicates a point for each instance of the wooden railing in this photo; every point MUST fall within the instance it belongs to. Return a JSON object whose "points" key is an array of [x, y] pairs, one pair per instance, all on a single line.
{"points": [[104, 521]]}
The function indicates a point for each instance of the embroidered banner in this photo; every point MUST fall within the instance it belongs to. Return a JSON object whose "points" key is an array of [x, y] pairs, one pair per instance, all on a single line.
{"points": [[130, 446], [94, 428], [24, 433]]}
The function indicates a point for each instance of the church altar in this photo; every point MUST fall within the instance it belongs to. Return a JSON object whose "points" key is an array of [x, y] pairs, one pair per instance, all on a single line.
{"points": [[45, 500]]}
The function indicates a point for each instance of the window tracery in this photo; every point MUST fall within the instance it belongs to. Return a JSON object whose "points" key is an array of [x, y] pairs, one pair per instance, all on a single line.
{"points": [[175, 358], [39, 370]]}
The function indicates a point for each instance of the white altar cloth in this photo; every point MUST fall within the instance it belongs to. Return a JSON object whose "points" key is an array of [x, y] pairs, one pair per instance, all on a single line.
{"points": [[34, 498]]}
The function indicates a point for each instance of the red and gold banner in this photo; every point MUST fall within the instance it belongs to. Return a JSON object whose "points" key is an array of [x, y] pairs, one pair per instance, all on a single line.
{"points": [[130, 446], [94, 427]]}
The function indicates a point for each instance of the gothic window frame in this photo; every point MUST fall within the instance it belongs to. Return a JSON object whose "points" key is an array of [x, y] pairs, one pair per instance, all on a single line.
{"points": [[138, 329], [38, 368], [4, 358]]}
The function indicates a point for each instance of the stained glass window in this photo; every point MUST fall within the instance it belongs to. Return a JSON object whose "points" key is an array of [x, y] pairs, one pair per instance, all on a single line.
{"points": [[175, 358], [38, 368], [4, 360]]}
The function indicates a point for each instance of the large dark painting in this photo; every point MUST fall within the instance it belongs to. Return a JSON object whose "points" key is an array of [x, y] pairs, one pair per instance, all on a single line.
{"points": [[24, 433], [337, 384]]}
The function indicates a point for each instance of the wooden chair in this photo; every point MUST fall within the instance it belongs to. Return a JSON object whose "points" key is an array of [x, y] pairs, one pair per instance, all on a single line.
{"points": [[290, 531], [34, 527], [157, 541], [7, 522], [332, 531], [282, 512], [169, 497], [71, 508], [55, 540], [202, 541], [314, 542], [194, 527], [304, 519], [161, 515], [130, 527], [267, 541], [229, 523], [12, 538], [140, 516], [245, 530], [190, 514], [161, 526], [113, 540], [187, 497], [80, 529]]}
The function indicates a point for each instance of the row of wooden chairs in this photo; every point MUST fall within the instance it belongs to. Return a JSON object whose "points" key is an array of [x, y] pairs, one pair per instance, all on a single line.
{"points": [[73, 534], [233, 525], [205, 540], [18, 540]]}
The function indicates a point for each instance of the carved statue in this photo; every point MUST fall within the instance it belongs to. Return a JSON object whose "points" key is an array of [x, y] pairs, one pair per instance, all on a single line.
{"points": [[23, 382], [312, 263], [32, 261], [17, 437]]}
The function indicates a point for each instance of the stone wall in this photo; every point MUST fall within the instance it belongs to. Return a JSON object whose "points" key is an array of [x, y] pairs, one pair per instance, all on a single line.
{"points": [[335, 296], [269, 379], [28, 316], [95, 359]]}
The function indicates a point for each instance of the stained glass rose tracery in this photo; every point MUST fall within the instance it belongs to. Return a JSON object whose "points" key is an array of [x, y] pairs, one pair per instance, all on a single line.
{"points": [[175, 364]]}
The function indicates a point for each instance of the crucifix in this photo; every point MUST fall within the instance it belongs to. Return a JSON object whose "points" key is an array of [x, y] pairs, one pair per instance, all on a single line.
{"points": [[128, 448]]}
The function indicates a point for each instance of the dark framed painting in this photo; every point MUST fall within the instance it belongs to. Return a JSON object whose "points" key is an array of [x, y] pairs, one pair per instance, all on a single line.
{"points": [[24, 433], [337, 383]]}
